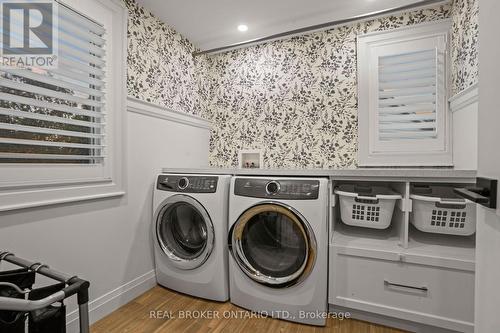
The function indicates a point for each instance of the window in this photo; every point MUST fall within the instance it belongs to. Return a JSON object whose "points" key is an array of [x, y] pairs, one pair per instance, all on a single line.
{"points": [[60, 127], [56, 116], [403, 113]]}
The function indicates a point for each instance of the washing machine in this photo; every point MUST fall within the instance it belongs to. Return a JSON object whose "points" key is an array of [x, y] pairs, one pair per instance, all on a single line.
{"points": [[190, 234], [278, 240]]}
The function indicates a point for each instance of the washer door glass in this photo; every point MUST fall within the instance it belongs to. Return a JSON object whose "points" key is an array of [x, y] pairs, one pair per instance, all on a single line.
{"points": [[273, 245], [185, 231]]}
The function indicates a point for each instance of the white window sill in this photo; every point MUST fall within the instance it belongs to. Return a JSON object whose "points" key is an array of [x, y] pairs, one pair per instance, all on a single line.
{"points": [[40, 197]]}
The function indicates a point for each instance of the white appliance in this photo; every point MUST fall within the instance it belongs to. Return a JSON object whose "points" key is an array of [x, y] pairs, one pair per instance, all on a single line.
{"points": [[278, 240], [189, 234]]}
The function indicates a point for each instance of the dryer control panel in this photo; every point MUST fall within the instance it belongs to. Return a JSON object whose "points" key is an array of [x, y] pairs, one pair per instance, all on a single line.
{"points": [[292, 189], [187, 183]]}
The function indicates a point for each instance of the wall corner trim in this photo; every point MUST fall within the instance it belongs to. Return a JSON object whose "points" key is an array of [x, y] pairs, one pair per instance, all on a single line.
{"points": [[156, 111], [464, 98]]}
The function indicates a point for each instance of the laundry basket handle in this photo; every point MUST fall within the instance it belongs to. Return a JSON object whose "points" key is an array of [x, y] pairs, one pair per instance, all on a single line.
{"points": [[366, 197], [75, 286], [24, 305], [459, 204]]}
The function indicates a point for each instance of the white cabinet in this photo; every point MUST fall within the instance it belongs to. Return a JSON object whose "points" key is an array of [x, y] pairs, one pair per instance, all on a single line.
{"points": [[403, 107], [400, 272], [436, 296]]}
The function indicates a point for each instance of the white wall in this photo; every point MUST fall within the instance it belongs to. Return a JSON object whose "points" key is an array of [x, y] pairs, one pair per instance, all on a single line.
{"points": [[108, 241], [488, 227]]}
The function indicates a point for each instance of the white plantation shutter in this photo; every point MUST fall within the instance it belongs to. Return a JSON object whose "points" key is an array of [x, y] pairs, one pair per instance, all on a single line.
{"points": [[61, 128], [403, 117], [58, 115], [407, 95]]}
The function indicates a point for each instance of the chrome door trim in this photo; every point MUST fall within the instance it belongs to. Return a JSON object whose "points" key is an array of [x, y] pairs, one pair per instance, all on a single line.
{"points": [[182, 263], [235, 247]]}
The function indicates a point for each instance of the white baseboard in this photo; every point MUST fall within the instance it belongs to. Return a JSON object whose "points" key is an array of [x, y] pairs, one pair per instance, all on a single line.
{"points": [[107, 303]]}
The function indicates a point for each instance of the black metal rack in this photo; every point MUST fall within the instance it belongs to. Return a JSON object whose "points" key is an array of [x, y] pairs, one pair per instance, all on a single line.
{"points": [[75, 286]]}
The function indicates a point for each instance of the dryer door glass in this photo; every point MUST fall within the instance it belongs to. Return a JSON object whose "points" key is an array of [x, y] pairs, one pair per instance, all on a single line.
{"points": [[185, 231], [273, 245]]}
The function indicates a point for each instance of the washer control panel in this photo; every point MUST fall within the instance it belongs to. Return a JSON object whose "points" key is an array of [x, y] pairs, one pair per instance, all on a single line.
{"points": [[293, 189], [187, 183]]}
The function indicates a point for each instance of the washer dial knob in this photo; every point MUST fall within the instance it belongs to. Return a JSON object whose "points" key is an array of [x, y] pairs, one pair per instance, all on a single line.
{"points": [[273, 187], [183, 183]]}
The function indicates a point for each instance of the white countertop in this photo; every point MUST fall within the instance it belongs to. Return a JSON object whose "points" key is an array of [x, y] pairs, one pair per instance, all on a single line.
{"points": [[385, 174]]}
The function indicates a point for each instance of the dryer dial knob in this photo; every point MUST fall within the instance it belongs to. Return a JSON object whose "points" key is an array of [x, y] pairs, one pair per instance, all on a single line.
{"points": [[273, 187], [183, 183]]}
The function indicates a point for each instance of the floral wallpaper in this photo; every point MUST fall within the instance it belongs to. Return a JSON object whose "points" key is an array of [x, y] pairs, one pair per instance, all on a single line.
{"points": [[161, 67], [294, 99], [464, 44]]}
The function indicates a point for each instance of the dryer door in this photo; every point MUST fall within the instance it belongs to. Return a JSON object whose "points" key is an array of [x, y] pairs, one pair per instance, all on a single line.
{"points": [[273, 245], [184, 231]]}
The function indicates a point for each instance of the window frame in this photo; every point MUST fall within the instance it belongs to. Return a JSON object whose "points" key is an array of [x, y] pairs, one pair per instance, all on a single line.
{"points": [[24, 185], [436, 152]]}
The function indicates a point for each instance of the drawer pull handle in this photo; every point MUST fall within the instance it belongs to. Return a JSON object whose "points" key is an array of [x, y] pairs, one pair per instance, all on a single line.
{"points": [[423, 289]]}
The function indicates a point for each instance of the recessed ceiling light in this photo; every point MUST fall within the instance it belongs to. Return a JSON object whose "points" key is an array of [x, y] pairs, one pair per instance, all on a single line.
{"points": [[242, 27]]}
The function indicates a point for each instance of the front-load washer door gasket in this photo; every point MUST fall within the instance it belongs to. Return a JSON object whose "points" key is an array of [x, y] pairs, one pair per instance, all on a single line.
{"points": [[184, 231], [273, 245]]}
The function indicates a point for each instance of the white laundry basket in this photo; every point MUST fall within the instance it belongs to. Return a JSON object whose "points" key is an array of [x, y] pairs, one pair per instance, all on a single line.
{"points": [[437, 209], [366, 206]]}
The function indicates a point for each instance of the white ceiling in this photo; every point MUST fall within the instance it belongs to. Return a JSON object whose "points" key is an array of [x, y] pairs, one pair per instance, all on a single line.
{"points": [[211, 24]]}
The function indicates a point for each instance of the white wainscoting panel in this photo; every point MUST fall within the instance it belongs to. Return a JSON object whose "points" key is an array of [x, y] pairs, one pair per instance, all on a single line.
{"points": [[464, 109], [156, 111]]}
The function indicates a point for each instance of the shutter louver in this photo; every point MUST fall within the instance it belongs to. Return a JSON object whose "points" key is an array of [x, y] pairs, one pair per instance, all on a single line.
{"points": [[407, 96], [57, 115]]}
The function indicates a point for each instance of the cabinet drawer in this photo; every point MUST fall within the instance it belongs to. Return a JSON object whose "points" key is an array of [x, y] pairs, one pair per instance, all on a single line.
{"points": [[434, 296]]}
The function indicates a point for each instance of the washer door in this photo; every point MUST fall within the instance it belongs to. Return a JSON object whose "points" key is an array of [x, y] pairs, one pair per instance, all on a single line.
{"points": [[184, 231], [273, 245]]}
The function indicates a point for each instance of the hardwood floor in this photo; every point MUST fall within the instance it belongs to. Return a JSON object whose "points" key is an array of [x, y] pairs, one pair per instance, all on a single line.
{"points": [[161, 310]]}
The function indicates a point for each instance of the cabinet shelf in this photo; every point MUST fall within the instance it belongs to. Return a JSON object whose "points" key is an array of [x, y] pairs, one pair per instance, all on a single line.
{"points": [[442, 248], [370, 239]]}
